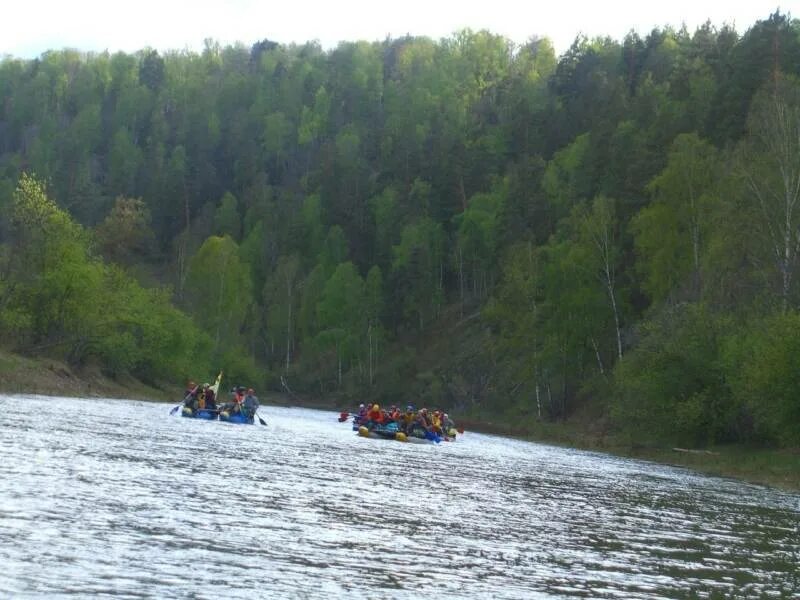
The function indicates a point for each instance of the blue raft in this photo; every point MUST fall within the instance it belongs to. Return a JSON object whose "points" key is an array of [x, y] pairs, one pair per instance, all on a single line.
{"points": [[238, 417], [200, 413], [212, 415]]}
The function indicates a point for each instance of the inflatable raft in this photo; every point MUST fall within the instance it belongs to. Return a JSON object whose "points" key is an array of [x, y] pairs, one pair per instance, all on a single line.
{"points": [[237, 417], [200, 413], [391, 431]]}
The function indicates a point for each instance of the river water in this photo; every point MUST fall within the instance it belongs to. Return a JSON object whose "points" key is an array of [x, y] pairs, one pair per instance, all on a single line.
{"points": [[118, 499]]}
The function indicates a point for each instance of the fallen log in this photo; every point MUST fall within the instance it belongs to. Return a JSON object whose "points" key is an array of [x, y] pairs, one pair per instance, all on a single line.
{"points": [[696, 451]]}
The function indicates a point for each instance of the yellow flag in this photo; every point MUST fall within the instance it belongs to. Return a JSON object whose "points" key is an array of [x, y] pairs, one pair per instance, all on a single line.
{"points": [[215, 387]]}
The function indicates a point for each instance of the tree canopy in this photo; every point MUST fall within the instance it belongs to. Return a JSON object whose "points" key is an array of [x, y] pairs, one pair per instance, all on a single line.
{"points": [[615, 228]]}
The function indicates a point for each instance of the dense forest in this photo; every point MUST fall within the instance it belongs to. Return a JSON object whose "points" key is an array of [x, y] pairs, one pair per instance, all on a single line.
{"points": [[466, 223]]}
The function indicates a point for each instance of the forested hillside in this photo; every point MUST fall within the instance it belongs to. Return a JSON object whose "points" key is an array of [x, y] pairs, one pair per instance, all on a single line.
{"points": [[465, 222]]}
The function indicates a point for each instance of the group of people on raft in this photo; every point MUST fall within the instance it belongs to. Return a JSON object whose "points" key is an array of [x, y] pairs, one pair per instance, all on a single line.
{"points": [[409, 422], [243, 400]]}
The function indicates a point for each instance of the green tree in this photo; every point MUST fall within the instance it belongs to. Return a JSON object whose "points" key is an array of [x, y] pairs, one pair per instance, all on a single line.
{"points": [[417, 267], [341, 314], [51, 273], [125, 236], [219, 290], [669, 233], [374, 303], [770, 164], [280, 295], [672, 387], [762, 369], [226, 219]]}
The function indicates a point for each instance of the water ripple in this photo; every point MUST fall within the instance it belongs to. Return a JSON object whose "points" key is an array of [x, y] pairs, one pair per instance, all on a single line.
{"points": [[116, 499]]}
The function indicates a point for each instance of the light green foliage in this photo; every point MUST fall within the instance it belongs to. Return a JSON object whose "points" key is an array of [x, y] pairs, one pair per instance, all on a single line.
{"points": [[62, 299], [341, 315], [51, 267], [342, 303], [278, 134], [576, 315], [769, 162], [126, 159], [314, 121], [477, 240], [564, 179], [599, 237], [763, 366], [281, 299], [253, 252], [334, 251], [670, 233], [386, 212], [139, 331], [126, 235], [227, 220], [218, 290], [311, 292]]}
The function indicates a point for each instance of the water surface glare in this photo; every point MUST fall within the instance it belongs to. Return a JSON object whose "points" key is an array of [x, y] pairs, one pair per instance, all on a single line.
{"points": [[115, 498]]}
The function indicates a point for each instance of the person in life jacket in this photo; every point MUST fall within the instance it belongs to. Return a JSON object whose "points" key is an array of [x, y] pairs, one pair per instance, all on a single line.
{"points": [[374, 416], [250, 404], [209, 399], [422, 421], [436, 423], [235, 403], [394, 413], [238, 399], [407, 419], [201, 397], [447, 422], [190, 395]]}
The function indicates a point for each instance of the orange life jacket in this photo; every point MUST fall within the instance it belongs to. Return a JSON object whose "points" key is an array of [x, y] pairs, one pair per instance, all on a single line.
{"points": [[375, 415]]}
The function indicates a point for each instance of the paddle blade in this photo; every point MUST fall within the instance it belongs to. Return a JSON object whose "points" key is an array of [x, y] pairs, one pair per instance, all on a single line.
{"points": [[174, 410]]}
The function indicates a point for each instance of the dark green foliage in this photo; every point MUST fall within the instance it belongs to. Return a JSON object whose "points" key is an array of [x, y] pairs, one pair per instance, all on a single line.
{"points": [[589, 225], [763, 364], [673, 386]]}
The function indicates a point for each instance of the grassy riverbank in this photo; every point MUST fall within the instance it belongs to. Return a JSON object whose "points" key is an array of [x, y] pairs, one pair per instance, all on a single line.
{"points": [[774, 467], [24, 375]]}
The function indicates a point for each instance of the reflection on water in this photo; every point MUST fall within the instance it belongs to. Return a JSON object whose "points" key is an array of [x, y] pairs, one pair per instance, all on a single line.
{"points": [[118, 498]]}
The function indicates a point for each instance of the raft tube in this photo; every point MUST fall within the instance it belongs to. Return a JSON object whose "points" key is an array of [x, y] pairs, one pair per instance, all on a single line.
{"points": [[237, 418], [200, 413]]}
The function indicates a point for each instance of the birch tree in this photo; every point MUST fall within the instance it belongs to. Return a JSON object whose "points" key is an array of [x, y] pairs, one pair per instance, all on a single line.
{"points": [[770, 164], [669, 233], [599, 228]]}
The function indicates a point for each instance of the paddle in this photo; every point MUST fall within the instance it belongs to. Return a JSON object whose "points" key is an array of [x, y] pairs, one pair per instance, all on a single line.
{"points": [[260, 420], [185, 398]]}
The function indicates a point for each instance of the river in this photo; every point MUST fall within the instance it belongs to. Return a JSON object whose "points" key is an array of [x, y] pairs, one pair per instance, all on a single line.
{"points": [[118, 499]]}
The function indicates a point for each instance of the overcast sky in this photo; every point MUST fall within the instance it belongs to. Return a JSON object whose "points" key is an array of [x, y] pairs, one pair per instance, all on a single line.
{"points": [[29, 27]]}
